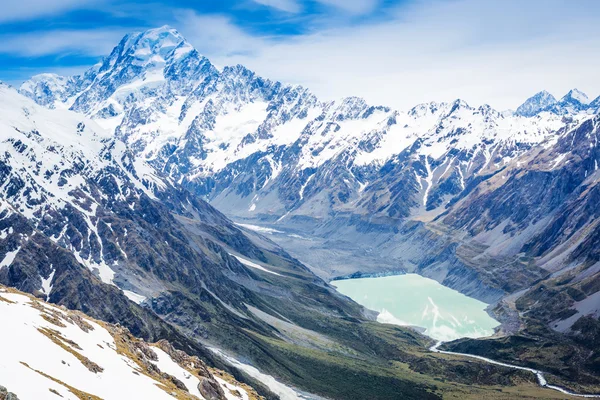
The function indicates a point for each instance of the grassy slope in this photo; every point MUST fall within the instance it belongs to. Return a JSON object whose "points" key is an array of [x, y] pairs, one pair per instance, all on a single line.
{"points": [[347, 357]]}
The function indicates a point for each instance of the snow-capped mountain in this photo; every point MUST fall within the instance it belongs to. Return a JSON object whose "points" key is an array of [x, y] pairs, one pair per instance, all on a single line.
{"points": [[49, 90], [576, 96], [253, 146], [536, 104], [573, 102], [259, 149], [50, 352], [58, 165]]}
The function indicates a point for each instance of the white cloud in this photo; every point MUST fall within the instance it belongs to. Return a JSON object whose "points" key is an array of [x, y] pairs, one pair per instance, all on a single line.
{"points": [[290, 6], [216, 35], [483, 52], [17, 10], [97, 42]]}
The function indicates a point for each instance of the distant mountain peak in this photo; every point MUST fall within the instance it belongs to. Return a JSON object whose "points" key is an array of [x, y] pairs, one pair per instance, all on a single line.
{"points": [[457, 104], [535, 104], [161, 35], [423, 109], [575, 96]]}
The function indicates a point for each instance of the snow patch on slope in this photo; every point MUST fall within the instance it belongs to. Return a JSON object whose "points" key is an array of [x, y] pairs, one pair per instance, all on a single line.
{"points": [[254, 265], [45, 351]]}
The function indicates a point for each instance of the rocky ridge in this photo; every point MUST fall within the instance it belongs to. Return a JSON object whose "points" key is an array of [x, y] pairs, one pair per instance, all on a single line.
{"points": [[49, 349]]}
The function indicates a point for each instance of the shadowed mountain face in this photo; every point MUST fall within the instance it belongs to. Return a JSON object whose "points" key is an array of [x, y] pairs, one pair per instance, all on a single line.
{"points": [[500, 206], [543, 210]]}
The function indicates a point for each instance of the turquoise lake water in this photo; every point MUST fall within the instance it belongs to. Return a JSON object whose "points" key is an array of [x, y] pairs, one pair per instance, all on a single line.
{"points": [[414, 300]]}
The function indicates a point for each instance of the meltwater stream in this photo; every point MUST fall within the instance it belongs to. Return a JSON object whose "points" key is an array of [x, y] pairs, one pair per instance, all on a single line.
{"points": [[538, 374], [445, 314]]}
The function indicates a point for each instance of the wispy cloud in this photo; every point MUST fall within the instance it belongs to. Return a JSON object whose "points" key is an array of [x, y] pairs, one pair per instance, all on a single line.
{"points": [[416, 51], [18, 10], [483, 52], [96, 42], [290, 6], [216, 35]]}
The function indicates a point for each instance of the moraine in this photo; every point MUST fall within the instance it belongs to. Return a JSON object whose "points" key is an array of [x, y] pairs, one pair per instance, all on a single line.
{"points": [[414, 300]]}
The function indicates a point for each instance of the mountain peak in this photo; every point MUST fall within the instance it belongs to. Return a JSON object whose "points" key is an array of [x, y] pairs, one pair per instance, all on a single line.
{"points": [[155, 42], [457, 104], [157, 35], [161, 30], [535, 104], [47, 89], [48, 79], [423, 109], [575, 96]]}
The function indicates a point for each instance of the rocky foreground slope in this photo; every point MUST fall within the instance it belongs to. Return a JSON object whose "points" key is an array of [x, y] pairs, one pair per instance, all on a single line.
{"points": [[49, 352]]}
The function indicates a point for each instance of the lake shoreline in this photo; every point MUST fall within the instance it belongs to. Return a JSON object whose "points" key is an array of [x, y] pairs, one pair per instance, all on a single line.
{"points": [[359, 275], [412, 300], [508, 321]]}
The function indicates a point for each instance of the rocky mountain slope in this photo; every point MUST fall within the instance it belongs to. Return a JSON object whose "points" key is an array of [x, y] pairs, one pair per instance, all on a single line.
{"points": [[49, 352], [543, 210]]}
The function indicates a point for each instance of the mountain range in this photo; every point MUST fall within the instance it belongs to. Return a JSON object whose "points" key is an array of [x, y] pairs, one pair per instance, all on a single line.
{"points": [[257, 147], [111, 181]]}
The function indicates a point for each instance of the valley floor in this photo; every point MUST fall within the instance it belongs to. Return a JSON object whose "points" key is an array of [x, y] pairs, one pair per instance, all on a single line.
{"points": [[472, 375]]}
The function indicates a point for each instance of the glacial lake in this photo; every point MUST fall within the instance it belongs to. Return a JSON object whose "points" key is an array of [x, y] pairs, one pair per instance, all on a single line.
{"points": [[414, 300]]}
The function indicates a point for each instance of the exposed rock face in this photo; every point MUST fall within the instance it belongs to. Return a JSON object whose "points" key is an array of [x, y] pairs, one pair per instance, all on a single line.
{"points": [[256, 148], [210, 389], [267, 152], [543, 210], [180, 357], [93, 229], [6, 395], [536, 104]]}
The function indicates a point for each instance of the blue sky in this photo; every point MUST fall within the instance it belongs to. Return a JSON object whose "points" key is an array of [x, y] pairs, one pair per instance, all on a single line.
{"points": [[394, 52], [76, 33]]}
